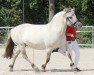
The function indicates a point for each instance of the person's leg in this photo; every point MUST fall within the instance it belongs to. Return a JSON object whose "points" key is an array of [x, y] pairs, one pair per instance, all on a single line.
{"points": [[70, 57], [61, 49], [69, 49], [77, 55]]}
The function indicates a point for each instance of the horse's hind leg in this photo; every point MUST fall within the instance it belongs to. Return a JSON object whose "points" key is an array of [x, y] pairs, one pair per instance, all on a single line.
{"points": [[24, 55], [47, 60], [14, 59]]}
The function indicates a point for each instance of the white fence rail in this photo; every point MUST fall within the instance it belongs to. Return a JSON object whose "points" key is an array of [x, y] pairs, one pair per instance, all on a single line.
{"points": [[87, 32]]}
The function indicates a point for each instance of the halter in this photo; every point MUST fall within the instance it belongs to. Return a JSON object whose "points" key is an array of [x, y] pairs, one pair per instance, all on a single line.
{"points": [[76, 23], [73, 24]]}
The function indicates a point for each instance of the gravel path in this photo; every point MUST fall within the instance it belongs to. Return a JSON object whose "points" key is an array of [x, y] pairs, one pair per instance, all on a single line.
{"points": [[58, 65]]}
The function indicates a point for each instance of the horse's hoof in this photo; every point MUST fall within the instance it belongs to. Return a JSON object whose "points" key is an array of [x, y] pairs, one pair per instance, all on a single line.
{"points": [[43, 67], [44, 70], [11, 69]]}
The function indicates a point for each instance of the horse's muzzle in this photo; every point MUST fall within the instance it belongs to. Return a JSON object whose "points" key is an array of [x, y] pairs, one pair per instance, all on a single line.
{"points": [[78, 24]]}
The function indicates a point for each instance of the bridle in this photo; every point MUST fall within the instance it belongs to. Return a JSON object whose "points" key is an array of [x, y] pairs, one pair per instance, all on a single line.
{"points": [[77, 23], [73, 24]]}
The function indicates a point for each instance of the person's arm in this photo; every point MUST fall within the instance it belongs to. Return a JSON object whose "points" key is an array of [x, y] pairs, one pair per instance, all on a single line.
{"points": [[69, 34]]}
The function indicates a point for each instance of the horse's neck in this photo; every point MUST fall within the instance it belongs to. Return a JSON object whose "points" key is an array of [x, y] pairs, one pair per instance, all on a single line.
{"points": [[58, 24]]}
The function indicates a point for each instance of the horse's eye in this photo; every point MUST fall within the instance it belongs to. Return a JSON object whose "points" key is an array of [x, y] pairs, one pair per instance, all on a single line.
{"points": [[70, 17]]}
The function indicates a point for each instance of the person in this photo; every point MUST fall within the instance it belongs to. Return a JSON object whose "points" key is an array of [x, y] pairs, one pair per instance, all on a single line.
{"points": [[72, 45]]}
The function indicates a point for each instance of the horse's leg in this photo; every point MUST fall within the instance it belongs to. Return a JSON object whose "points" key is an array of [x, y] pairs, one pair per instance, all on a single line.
{"points": [[24, 55], [14, 59], [47, 60]]}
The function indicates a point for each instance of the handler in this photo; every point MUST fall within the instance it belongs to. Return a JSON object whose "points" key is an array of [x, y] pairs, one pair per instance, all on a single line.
{"points": [[72, 45]]}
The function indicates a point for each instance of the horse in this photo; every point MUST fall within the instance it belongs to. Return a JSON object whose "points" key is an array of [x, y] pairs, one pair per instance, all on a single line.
{"points": [[49, 36]]}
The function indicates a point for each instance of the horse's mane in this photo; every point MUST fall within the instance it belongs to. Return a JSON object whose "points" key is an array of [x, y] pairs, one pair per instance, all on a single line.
{"points": [[61, 13]]}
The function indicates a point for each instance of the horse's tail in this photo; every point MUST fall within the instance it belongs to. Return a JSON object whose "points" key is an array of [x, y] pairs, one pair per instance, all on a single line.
{"points": [[9, 48]]}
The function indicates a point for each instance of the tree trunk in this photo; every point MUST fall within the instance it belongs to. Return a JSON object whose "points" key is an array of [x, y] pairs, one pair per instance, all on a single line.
{"points": [[51, 9]]}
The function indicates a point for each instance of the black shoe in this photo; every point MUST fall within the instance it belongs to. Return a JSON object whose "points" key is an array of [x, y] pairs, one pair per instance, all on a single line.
{"points": [[55, 50], [76, 69]]}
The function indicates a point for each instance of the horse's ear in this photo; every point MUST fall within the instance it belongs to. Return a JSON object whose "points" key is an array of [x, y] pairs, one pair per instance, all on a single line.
{"points": [[67, 10], [73, 9]]}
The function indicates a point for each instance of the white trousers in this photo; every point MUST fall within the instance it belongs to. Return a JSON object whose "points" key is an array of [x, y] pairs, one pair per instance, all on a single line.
{"points": [[72, 46]]}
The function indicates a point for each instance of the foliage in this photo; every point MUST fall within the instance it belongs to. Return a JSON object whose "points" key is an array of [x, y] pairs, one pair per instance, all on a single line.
{"points": [[36, 11], [84, 9], [10, 13]]}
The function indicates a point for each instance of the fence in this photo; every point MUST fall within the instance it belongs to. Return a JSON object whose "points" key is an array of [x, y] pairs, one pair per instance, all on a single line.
{"points": [[4, 31], [87, 33]]}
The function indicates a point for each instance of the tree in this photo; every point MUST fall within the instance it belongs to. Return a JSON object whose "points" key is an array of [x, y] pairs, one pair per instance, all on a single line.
{"points": [[84, 9], [37, 11], [51, 9], [10, 12]]}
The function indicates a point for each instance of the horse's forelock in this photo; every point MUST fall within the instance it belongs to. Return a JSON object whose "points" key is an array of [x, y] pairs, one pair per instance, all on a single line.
{"points": [[67, 10]]}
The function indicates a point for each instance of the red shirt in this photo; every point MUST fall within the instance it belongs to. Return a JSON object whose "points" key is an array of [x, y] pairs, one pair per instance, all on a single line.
{"points": [[71, 30]]}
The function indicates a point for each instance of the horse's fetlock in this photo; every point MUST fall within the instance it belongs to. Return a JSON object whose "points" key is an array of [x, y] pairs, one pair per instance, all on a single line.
{"points": [[33, 65], [11, 66]]}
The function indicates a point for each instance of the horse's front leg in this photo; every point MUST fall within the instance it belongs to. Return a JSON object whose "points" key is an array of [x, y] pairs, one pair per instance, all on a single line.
{"points": [[47, 59]]}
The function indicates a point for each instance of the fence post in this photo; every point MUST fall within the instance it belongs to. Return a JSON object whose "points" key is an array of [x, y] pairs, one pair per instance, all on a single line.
{"points": [[92, 37]]}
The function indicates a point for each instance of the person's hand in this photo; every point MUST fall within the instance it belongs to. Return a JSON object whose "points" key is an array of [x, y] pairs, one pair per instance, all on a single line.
{"points": [[72, 35]]}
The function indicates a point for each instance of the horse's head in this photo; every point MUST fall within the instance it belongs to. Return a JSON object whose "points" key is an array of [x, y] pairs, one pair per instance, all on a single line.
{"points": [[71, 17]]}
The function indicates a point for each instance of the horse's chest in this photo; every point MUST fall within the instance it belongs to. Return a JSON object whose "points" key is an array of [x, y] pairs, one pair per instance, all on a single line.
{"points": [[53, 40]]}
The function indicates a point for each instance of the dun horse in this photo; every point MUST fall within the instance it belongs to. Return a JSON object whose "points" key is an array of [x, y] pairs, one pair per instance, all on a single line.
{"points": [[49, 36]]}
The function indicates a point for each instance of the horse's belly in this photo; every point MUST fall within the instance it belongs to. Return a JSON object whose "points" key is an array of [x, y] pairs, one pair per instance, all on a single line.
{"points": [[38, 46], [34, 39], [34, 42]]}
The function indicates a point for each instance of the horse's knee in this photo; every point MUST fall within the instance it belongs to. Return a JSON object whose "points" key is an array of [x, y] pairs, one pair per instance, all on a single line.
{"points": [[24, 56]]}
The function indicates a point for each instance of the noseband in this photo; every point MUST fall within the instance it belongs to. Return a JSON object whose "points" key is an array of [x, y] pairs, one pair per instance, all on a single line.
{"points": [[73, 24]]}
